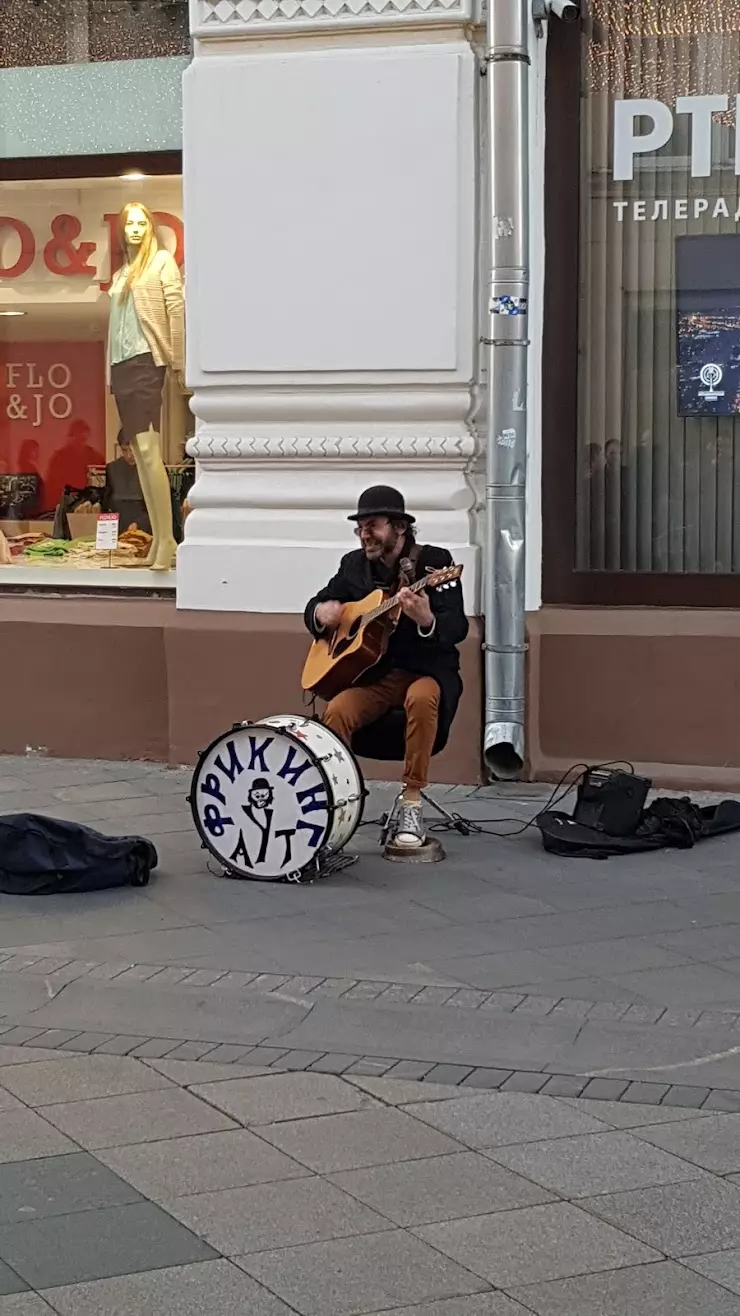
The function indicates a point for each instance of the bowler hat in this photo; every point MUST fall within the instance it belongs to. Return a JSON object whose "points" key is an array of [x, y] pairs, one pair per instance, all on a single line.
{"points": [[382, 500]]}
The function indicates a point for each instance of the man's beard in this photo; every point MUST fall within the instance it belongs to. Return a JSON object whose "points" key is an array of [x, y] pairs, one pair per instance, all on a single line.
{"points": [[375, 548]]}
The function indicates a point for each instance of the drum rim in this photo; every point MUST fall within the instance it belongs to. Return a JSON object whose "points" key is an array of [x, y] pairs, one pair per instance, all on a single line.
{"points": [[192, 798]]}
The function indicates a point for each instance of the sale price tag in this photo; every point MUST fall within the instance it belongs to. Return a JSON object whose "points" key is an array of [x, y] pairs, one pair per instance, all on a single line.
{"points": [[106, 538]]}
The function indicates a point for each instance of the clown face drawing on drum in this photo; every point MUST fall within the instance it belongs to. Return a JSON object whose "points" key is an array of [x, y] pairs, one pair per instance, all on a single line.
{"points": [[269, 798]]}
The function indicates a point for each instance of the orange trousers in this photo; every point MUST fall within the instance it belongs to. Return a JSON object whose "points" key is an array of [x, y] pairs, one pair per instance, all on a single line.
{"points": [[362, 704]]}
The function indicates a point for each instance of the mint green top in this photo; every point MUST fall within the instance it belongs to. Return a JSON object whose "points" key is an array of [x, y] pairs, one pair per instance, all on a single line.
{"points": [[126, 334]]}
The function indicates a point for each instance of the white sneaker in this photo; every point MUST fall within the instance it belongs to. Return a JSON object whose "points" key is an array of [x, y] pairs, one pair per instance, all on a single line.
{"points": [[409, 829]]}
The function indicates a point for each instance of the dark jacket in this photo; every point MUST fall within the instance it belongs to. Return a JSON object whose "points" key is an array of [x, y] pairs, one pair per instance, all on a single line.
{"points": [[436, 656]]}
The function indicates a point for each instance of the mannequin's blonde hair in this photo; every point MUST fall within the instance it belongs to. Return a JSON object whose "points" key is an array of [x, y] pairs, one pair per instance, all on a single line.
{"points": [[147, 251]]}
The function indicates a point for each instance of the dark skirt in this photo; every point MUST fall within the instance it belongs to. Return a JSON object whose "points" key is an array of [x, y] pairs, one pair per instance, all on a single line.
{"points": [[137, 387]]}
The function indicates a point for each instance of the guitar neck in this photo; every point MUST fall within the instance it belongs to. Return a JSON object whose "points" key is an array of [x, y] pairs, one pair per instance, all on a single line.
{"points": [[390, 603]]}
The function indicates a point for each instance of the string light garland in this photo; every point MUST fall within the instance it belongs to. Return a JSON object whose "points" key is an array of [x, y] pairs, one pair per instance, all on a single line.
{"points": [[664, 48], [37, 32], [667, 18]]}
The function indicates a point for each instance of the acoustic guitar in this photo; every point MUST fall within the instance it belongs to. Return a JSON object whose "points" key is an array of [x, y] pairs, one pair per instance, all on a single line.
{"points": [[361, 638]]}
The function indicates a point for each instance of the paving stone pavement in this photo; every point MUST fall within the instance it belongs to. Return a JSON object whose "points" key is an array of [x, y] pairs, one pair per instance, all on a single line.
{"points": [[504, 1084], [501, 968], [191, 1188]]}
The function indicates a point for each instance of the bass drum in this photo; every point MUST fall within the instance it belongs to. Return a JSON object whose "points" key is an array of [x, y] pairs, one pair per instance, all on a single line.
{"points": [[271, 799]]}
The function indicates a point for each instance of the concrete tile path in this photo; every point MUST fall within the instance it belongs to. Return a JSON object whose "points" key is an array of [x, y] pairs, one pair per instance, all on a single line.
{"points": [[502, 966], [553, 1212], [505, 1084]]}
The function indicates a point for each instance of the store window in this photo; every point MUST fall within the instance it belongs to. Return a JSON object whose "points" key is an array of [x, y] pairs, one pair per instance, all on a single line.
{"points": [[38, 32], [658, 457], [94, 416]]}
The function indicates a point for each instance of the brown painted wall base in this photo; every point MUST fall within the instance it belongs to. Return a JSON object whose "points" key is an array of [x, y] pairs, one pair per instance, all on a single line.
{"points": [[657, 687], [87, 677]]}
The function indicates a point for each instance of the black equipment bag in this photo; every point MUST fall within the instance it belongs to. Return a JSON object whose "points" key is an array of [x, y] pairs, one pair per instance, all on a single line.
{"points": [[44, 856], [668, 822]]}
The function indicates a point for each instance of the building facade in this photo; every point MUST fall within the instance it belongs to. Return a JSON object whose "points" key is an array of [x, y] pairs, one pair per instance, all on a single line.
{"points": [[634, 651], [332, 286], [328, 214]]}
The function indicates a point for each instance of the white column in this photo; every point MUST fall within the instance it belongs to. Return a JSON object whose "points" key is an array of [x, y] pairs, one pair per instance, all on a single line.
{"points": [[330, 198]]}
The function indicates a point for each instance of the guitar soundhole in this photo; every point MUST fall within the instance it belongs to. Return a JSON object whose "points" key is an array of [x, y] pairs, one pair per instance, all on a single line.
{"points": [[341, 646]]}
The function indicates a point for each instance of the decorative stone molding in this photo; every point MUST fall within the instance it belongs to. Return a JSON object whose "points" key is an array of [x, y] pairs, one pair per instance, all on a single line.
{"points": [[239, 18], [291, 513], [336, 447], [299, 406]]}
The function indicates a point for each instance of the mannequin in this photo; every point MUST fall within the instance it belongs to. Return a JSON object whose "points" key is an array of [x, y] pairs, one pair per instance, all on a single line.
{"points": [[146, 338]]}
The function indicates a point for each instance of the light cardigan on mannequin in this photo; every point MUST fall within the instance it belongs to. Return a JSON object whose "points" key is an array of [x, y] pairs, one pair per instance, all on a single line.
{"points": [[160, 307]]}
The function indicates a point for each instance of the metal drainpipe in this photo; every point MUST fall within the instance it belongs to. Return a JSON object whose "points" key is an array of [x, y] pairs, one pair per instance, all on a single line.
{"points": [[507, 63]]}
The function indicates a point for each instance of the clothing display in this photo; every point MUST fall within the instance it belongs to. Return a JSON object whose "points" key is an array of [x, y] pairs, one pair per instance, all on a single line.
{"points": [[147, 308], [127, 338], [94, 410], [146, 335], [159, 304], [136, 384], [160, 308], [122, 494], [19, 496]]}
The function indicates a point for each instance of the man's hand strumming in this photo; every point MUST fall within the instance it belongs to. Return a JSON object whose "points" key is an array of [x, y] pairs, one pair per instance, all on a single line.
{"points": [[328, 615]]}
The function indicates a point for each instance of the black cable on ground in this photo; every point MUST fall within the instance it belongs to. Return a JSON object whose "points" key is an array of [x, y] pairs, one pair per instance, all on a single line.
{"points": [[469, 827]]}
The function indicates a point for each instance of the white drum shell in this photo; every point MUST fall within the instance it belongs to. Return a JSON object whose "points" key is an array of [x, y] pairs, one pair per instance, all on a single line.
{"points": [[269, 797], [347, 788]]}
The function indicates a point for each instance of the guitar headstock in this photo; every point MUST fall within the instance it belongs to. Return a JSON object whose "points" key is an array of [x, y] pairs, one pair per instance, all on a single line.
{"points": [[443, 578]]}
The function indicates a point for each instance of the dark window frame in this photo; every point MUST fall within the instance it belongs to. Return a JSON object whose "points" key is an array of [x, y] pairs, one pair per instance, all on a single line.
{"points": [[562, 584], [42, 168]]}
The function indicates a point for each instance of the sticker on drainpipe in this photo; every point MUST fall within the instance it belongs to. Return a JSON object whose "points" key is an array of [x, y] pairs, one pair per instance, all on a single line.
{"points": [[508, 306]]}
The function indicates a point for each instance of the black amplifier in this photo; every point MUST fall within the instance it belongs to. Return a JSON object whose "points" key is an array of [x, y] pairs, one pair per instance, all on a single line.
{"points": [[611, 801]]}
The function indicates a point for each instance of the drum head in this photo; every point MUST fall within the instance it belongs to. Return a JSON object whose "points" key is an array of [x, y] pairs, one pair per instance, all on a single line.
{"points": [[262, 803]]}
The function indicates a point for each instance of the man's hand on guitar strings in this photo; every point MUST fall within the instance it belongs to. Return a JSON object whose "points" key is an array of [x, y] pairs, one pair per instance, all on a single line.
{"points": [[417, 607], [328, 615]]}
